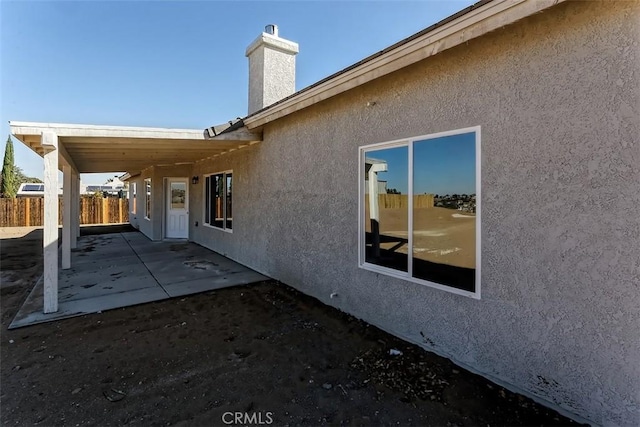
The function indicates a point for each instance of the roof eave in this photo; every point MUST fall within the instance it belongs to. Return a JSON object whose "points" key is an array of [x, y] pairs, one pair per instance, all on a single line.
{"points": [[468, 24]]}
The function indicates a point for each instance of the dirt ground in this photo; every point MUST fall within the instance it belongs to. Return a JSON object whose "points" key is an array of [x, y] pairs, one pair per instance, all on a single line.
{"points": [[263, 350]]}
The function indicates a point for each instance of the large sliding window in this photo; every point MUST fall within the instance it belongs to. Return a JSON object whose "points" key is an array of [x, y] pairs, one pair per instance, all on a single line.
{"points": [[218, 206], [419, 210], [147, 198]]}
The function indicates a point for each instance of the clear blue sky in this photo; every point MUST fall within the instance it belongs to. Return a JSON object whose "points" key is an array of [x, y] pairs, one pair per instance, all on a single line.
{"points": [[444, 165], [174, 64]]}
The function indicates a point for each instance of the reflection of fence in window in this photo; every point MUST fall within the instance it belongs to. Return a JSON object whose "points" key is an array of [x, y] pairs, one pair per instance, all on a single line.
{"points": [[219, 194], [435, 242], [399, 201], [229, 206]]}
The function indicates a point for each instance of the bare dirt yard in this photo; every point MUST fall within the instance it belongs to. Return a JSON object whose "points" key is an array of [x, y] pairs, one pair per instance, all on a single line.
{"points": [[264, 351]]}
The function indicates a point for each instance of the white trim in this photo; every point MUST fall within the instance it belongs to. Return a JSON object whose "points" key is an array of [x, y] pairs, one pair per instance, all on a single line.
{"points": [[204, 200], [410, 208], [478, 212], [408, 275], [475, 23], [68, 129]]}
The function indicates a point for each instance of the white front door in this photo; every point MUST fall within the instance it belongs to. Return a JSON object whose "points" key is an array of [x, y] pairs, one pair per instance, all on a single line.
{"points": [[177, 208]]}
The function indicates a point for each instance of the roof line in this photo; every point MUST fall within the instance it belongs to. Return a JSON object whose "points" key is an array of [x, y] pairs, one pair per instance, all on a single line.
{"points": [[43, 125], [377, 54], [469, 23]]}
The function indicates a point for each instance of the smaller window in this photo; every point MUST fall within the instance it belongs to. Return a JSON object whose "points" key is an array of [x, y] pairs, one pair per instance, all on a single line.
{"points": [[218, 200], [133, 190], [147, 198]]}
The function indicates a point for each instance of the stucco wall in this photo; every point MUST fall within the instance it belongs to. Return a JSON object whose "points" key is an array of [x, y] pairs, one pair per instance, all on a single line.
{"points": [[154, 228], [557, 96]]}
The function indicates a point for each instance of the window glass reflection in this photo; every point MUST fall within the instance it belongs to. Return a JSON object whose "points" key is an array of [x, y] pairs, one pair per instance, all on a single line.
{"points": [[178, 193], [386, 207], [229, 217], [444, 210]]}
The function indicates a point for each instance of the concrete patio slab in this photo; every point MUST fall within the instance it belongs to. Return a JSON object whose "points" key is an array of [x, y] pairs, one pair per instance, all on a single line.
{"points": [[210, 283], [124, 269], [183, 269]]}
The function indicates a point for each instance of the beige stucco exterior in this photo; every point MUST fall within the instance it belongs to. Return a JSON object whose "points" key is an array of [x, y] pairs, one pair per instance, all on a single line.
{"points": [[154, 228], [557, 97]]}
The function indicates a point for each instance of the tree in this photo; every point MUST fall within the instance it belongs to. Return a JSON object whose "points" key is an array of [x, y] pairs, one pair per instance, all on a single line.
{"points": [[21, 177], [9, 185]]}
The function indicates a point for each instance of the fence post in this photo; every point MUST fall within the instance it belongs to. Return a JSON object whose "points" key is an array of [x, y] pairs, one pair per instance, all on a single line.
{"points": [[120, 210], [27, 212], [105, 210]]}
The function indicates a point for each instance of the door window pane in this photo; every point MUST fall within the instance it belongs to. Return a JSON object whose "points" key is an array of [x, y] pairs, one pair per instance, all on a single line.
{"points": [[178, 192]]}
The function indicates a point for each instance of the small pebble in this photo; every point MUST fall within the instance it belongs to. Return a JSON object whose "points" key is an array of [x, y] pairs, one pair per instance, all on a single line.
{"points": [[327, 386], [76, 391]]}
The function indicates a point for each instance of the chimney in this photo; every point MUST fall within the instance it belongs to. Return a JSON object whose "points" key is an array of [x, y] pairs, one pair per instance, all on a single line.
{"points": [[272, 69]]}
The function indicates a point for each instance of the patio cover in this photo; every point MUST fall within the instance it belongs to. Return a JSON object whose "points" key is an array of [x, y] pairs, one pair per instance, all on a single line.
{"points": [[76, 149]]}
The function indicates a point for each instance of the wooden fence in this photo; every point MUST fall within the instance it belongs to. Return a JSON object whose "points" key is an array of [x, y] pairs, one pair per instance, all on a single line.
{"points": [[401, 201], [29, 211]]}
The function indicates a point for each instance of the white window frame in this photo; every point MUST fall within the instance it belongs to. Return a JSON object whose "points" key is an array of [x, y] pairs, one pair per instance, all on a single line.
{"points": [[133, 197], [408, 142], [204, 201], [147, 198]]}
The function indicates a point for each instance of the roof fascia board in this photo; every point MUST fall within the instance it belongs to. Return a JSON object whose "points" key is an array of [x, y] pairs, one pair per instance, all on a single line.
{"points": [[475, 23], [242, 134], [62, 130]]}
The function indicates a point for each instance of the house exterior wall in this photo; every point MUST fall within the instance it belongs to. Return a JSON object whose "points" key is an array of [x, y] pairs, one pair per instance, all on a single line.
{"points": [[557, 96], [154, 228]]}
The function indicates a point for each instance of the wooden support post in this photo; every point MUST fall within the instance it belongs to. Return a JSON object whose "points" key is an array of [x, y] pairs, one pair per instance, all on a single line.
{"points": [[120, 211], [50, 232], [66, 217]]}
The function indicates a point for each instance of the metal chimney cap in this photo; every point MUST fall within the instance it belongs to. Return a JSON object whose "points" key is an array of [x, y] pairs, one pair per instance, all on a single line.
{"points": [[271, 29]]}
